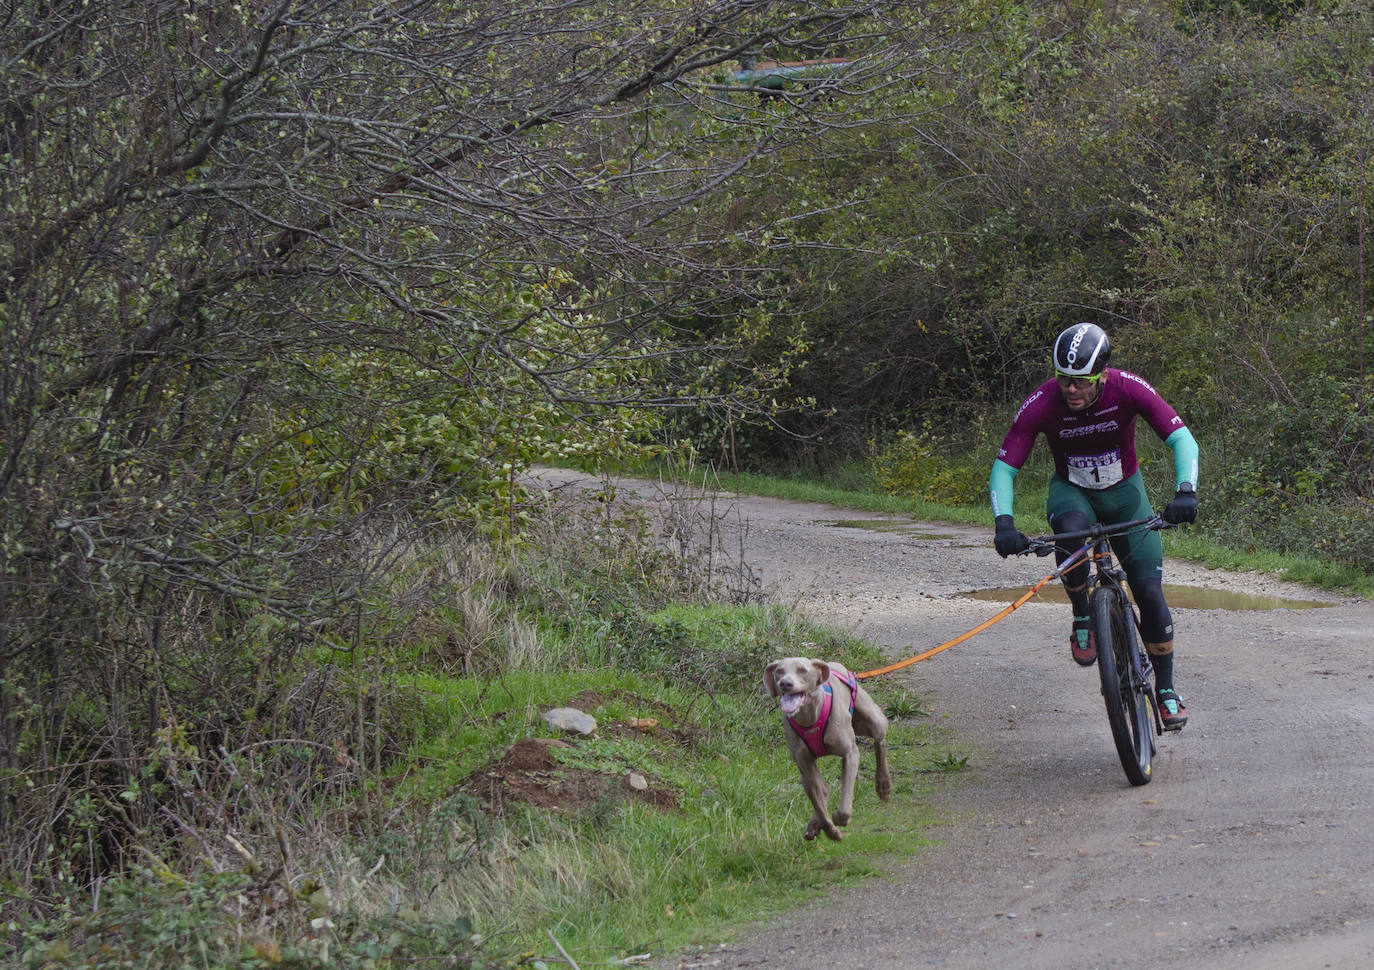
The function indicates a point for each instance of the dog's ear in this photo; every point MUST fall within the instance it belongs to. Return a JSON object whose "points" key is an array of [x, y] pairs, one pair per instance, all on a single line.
{"points": [[768, 683], [822, 671]]}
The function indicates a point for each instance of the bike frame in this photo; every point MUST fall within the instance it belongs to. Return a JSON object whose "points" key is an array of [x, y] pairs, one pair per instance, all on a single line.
{"points": [[1132, 669]]}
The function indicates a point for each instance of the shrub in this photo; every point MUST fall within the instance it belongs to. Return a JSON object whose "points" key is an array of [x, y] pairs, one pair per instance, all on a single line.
{"points": [[154, 919], [921, 465]]}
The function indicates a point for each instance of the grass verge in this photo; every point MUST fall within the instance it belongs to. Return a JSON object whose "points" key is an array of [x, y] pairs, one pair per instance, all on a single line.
{"points": [[448, 823], [423, 813], [852, 487], [711, 840]]}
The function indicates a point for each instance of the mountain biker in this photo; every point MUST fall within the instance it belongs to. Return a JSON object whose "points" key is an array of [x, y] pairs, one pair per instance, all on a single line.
{"points": [[1087, 413]]}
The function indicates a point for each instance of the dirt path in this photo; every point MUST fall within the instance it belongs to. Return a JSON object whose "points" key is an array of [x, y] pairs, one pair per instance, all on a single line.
{"points": [[1250, 849]]}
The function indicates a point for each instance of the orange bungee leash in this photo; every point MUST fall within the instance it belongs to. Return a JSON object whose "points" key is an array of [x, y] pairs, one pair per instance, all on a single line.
{"points": [[1064, 567]]}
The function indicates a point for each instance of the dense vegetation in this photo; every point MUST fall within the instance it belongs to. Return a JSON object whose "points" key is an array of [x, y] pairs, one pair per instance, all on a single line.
{"points": [[291, 293], [1197, 185]]}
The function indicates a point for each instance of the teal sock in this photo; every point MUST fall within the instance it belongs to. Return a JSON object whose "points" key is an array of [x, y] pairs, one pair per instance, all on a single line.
{"points": [[1164, 671]]}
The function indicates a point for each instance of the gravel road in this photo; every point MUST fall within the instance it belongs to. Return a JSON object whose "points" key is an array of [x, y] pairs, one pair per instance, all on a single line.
{"points": [[1251, 848]]}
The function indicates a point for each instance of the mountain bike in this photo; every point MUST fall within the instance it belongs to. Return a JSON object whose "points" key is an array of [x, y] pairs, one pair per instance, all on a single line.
{"points": [[1122, 663]]}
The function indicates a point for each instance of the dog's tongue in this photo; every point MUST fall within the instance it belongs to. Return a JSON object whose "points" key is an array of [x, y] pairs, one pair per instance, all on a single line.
{"points": [[791, 703]]}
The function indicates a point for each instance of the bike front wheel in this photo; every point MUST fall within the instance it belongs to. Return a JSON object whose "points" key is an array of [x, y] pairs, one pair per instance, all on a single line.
{"points": [[1123, 689]]}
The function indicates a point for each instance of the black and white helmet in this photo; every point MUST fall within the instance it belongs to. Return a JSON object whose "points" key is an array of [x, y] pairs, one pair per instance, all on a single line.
{"points": [[1081, 350]]}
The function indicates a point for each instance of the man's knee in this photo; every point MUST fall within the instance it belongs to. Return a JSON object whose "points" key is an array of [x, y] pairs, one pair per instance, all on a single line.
{"points": [[1071, 520]]}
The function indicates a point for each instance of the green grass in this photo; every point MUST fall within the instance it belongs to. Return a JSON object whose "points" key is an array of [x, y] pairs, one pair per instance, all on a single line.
{"points": [[617, 878], [852, 485], [851, 489], [414, 863], [833, 494], [422, 863], [1309, 570]]}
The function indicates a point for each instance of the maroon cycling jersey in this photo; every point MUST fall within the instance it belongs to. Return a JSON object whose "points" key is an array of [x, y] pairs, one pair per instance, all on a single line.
{"points": [[1095, 447]]}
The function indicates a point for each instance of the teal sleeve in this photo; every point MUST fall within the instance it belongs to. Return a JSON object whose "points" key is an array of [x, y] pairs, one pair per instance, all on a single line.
{"points": [[999, 485], [1185, 456]]}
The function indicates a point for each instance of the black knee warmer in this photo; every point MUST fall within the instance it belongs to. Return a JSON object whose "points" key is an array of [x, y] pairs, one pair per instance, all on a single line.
{"points": [[1071, 521], [1156, 623]]}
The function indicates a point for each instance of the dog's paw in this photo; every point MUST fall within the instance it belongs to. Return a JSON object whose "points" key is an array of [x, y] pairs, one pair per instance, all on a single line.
{"points": [[842, 817], [884, 786], [834, 834], [813, 829]]}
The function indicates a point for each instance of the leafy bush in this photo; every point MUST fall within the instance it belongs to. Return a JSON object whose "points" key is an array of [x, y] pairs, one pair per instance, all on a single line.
{"points": [[239, 819], [156, 920], [921, 465], [1309, 491]]}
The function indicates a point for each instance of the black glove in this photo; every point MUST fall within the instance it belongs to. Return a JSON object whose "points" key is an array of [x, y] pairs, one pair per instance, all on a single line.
{"points": [[1184, 506], [1008, 540]]}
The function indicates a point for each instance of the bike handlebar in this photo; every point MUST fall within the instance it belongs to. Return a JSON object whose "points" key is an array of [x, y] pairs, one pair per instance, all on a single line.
{"points": [[1044, 545]]}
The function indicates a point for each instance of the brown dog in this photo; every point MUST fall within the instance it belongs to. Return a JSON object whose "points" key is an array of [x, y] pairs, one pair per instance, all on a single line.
{"points": [[812, 732]]}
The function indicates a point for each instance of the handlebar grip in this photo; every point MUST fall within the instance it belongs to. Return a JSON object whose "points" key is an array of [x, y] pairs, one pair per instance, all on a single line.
{"points": [[1039, 546]]}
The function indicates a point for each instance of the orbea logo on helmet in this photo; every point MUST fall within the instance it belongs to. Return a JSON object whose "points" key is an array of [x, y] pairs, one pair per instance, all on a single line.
{"points": [[1073, 344], [1081, 351]]}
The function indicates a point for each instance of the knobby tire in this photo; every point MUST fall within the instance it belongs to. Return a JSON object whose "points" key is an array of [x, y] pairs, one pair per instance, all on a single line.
{"points": [[1128, 710]]}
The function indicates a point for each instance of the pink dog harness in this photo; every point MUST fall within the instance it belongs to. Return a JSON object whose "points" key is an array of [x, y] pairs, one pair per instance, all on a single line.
{"points": [[814, 736]]}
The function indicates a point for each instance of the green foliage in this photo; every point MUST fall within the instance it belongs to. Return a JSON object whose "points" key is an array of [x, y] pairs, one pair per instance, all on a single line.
{"points": [[1309, 492], [354, 835], [1208, 207], [611, 874], [269, 359], [1272, 11], [920, 465], [903, 706], [949, 762], [280, 302], [156, 919]]}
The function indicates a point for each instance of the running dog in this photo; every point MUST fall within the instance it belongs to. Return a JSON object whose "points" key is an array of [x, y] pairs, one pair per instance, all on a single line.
{"points": [[825, 708]]}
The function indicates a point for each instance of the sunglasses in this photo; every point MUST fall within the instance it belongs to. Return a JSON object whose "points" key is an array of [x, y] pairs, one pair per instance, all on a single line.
{"points": [[1081, 381]]}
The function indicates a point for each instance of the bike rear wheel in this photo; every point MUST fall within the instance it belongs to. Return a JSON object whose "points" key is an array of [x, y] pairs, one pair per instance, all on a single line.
{"points": [[1123, 689]]}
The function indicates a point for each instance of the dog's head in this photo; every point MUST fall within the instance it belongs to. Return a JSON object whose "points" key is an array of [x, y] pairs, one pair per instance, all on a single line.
{"points": [[792, 679]]}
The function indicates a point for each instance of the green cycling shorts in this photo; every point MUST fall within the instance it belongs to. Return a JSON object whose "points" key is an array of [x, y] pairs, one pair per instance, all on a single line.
{"points": [[1141, 553]]}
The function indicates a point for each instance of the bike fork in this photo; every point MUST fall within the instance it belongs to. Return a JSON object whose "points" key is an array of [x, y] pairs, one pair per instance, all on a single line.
{"points": [[1144, 675], [1144, 672]]}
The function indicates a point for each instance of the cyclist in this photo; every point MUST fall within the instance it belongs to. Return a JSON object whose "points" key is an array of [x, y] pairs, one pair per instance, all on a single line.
{"points": [[1087, 413]]}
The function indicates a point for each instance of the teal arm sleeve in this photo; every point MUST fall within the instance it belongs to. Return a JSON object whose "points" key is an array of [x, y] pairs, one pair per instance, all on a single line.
{"points": [[1185, 456], [999, 485]]}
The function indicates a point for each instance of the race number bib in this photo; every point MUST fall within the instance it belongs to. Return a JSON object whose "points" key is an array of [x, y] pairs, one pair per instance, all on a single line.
{"points": [[1095, 471]]}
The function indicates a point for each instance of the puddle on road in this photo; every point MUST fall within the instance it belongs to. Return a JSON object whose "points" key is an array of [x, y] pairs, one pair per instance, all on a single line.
{"points": [[1183, 597], [914, 529]]}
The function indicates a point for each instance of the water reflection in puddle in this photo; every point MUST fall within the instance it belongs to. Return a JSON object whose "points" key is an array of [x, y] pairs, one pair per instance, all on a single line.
{"points": [[916, 530], [1183, 597]]}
